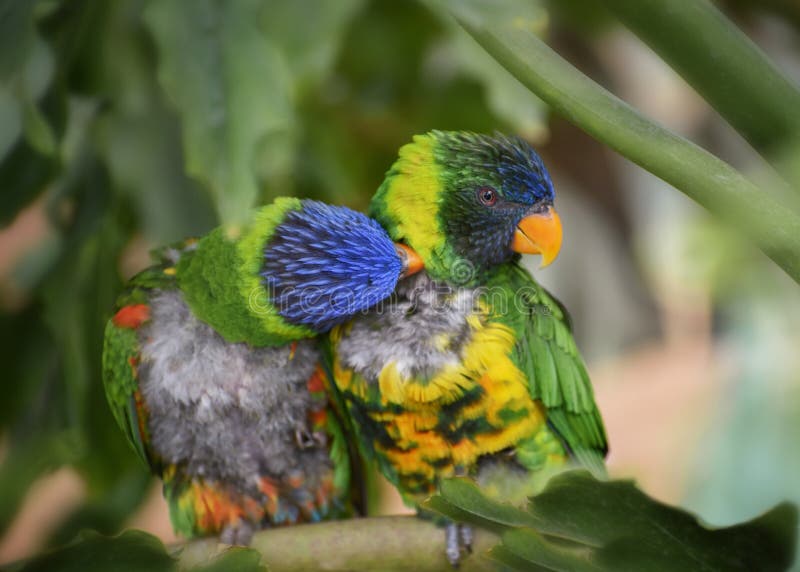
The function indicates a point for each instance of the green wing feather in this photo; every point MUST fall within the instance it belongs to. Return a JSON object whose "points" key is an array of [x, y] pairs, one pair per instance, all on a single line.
{"points": [[122, 346], [121, 352], [546, 352]]}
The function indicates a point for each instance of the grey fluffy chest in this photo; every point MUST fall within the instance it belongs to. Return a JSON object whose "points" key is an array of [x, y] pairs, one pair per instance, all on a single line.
{"points": [[222, 410], [421, 329]]}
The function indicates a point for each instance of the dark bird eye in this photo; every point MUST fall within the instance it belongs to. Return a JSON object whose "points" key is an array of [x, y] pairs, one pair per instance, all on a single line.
{"points": [[487, 196]]}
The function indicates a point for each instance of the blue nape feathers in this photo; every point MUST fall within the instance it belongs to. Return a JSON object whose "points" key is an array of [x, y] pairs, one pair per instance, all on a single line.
{"points": [[325, 263]]}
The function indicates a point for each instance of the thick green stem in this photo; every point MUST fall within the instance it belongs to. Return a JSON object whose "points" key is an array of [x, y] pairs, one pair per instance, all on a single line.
{"points": [[392, 544], [703, 177], [721, 63]]}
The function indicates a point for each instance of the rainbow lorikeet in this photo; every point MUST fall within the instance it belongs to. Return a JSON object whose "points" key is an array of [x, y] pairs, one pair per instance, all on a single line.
{"points": [[475, 371], [212, 365]]}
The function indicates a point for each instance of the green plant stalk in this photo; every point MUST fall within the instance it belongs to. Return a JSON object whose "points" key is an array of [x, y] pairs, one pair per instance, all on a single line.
{"points": [[700, 175], [390, 543], [721, 63]]}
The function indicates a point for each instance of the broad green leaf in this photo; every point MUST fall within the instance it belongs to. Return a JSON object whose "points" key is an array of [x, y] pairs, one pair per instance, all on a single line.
{"points": [[439, 506], [16, 35], [22, 86], [37, 130], [711, 182], [717, 59], [669, 538], [146, 165], [580, 523], [26, 163], [464, 494], [37, 70], [140, 140], [10, 119], [763, 544], [507, 560], [131, 551], [309, 55], [565, 557], [231, 89], [35, 77]]}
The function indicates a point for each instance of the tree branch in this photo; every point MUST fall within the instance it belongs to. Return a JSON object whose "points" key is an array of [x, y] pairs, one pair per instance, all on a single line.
{"points": [[391, 543]]}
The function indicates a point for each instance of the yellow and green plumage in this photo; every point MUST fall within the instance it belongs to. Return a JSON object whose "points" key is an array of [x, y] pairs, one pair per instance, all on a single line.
{"points": [[480, 375], [519, 387]]}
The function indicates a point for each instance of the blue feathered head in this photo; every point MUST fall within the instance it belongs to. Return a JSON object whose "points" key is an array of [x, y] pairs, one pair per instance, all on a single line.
{"points": [[324, 264]]}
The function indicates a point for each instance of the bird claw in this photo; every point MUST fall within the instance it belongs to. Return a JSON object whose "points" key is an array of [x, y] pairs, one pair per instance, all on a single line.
{"points": [[458, 537], [304, 438], [465, 532], [239, 534], [452, 545]]}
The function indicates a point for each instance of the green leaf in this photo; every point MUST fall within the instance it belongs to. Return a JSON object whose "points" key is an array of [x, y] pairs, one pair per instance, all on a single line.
{"points": [[721, 63], [507, 560], [635, 528], [230, 87], [465, 494], [10, 119], [437, 505], [133, 550], [38, 130], [309, 55], [532, 548], [703, 177], [140, 139], [16, 35], [580, 523], [26, 163], [25, 83], [146, 165], [765, 543]]}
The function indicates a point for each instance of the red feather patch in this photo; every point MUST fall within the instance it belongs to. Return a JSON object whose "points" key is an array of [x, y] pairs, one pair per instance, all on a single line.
{"points": [[131, 317], [316, 383]]}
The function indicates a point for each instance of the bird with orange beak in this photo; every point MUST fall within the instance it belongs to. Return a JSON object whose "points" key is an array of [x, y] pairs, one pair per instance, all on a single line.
{"points": [[471, 368]]}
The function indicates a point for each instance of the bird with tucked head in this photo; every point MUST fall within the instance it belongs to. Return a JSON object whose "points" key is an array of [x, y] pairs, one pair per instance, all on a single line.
{"points": [[213, 367], [475, 371]]}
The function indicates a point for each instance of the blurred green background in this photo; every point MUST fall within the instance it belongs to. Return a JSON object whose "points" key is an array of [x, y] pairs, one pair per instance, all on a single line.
{"points": [[128, 124]]}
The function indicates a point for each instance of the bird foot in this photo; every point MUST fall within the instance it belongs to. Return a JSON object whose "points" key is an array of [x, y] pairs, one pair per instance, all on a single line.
{"points": [[239, 534], [458, 537], [466, 537]]}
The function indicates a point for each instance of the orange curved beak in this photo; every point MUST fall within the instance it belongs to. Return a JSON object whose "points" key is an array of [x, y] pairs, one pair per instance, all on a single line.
{"points": [[539, 233], [412, 263]]}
